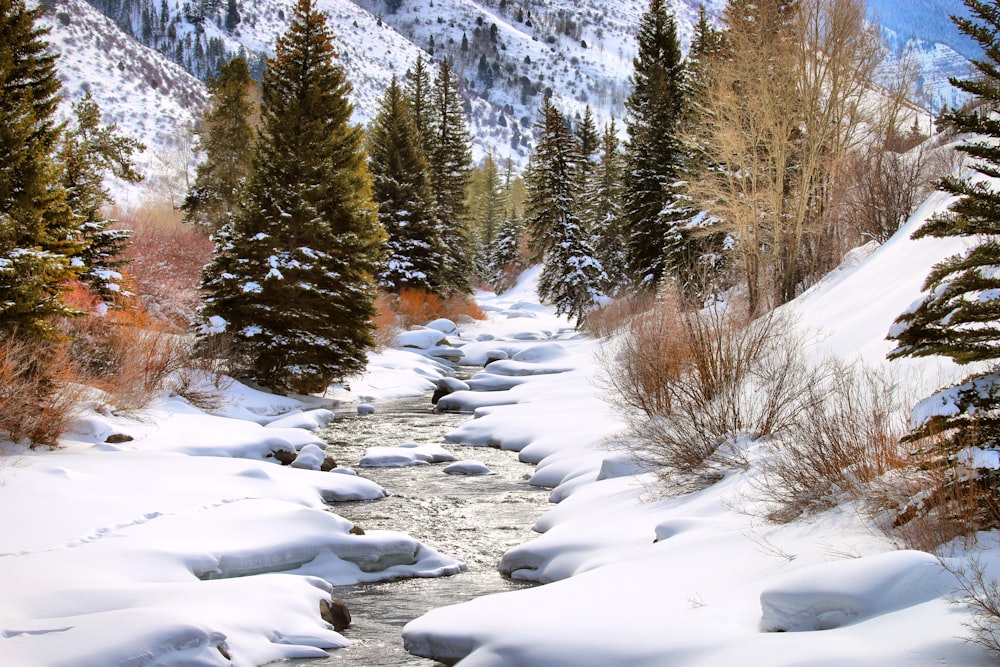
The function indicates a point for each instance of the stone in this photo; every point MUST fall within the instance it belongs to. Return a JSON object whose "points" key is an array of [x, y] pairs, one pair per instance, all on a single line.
{"points": [[366, 409], [329, 463], [335, 612], [284, 456], [115, 438], [357, 530]]}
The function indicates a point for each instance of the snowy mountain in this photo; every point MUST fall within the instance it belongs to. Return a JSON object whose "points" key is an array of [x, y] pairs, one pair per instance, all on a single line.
{"points": [[509, 55], [925, 27]]}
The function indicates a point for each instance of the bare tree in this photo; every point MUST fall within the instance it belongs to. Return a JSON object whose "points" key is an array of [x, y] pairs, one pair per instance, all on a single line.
{"points": [[789, 99]]}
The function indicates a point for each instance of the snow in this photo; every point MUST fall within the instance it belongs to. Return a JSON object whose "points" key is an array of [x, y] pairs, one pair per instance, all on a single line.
{"points": [[190, 541]]}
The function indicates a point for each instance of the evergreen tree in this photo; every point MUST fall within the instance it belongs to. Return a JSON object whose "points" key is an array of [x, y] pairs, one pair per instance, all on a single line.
{"points": [[959, 317], [505, 261], [292, 278], [653, 151], [88, 153], [227, 137], [38, 231], [489, 201], [450, 157], [572, 275], [402, 191], [605, 206], [419, 90]]}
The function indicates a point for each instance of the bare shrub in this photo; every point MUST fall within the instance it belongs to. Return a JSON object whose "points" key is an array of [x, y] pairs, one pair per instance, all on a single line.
{"points": [[38, 390], [692, 385], [944, 495], [386, 321], [123, 354], [847, 441], [167, 258], [981, 592], [413, 306], [612, 316]]}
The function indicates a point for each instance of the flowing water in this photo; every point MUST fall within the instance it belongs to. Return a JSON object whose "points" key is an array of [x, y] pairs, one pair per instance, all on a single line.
{"points": [[475, 518]]}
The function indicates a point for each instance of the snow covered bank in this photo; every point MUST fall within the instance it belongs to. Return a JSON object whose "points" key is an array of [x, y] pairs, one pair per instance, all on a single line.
{"points": [[633, 577], [176, 538]]}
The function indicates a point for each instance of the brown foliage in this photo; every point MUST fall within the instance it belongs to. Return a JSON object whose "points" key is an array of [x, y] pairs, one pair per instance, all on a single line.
{"points": [[692, 383], [167, 259], [843, 446], [38, 392], [415, 306]]}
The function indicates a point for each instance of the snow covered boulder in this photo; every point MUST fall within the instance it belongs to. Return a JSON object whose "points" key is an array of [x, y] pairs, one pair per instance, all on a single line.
{"points": [[335, 612], [495, 355], [467, 467], [420, 339], [312, 457], [447, 385], [407, 454], [832, 595], [310, 419], [443, 325], [366, 409]]}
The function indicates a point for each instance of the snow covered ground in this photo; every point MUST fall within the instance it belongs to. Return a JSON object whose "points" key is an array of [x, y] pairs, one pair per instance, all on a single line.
{"points": [[189, 545]]}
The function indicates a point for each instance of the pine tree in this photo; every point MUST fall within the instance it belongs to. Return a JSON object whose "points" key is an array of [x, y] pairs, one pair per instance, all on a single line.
{"points": [[505, 261], [959, 317], [450, 157], [38, 231], [402, 191], [605, 205], [90, 151], [292, 278], [572, 275], [418, 92], [653, 151], [227, 137]]}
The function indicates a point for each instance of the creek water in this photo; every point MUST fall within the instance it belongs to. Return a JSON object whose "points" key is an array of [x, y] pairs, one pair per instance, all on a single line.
{"points": [[475, 518]]}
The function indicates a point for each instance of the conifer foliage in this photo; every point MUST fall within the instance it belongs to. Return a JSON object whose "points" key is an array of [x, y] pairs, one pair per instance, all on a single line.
{"points": [[959, 317], [38, 231], [653, 151], [416, 253], [572, 276], [227, 138], [291, 283], [88, 152]]}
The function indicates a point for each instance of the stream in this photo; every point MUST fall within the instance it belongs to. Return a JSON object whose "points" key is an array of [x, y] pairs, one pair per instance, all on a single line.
{"points": [[475, 518]]}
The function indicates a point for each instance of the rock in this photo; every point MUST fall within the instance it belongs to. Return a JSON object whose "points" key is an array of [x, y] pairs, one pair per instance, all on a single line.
{"points": [[115, 438], [329, 463], [447, 386], [467, 467], [284, 456], [335, 612], [357, 530], [366, 409]]}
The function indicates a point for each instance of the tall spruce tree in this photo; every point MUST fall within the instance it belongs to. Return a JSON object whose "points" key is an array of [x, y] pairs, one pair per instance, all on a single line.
{"points": [[653, 151], [38, 231], [227, 137], [607, 229], [90, 151], [416, 252], [959, 317], [450, 157], [419, 89], [292, 277], [572, 276]]}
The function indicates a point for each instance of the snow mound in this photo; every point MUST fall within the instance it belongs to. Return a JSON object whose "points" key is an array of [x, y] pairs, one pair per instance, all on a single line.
{"points": [[420, 339], [832, 595], [467, 467], [408, 454]]}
